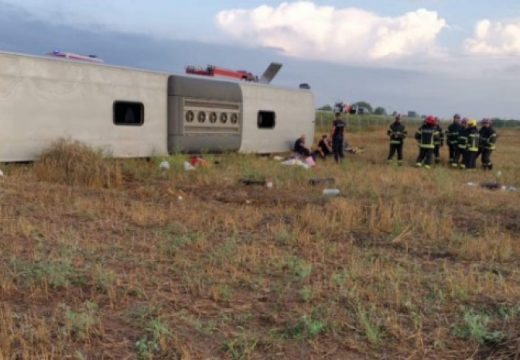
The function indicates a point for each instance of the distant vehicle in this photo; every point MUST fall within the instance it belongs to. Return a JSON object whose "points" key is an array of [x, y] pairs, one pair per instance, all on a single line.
{"points": [[212, 70], [341, 107], [266, 78], [72, 56]]}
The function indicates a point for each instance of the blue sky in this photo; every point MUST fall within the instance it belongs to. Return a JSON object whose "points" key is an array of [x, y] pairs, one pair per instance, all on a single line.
{"points": [[439, 55]]}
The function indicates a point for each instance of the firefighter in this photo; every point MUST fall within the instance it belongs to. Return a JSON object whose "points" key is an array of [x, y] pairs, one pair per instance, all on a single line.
{"points": [[439, 142], [426, 136], [473, 136], [488, 138], [397, 133], [452, 137], [462, 142], [337, 135]]}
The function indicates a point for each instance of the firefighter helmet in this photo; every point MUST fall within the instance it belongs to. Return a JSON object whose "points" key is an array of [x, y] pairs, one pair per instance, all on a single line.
{"points": [[472, 123], [430, 120]]}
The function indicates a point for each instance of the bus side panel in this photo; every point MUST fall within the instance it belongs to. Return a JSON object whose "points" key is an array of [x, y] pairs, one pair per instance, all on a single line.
{"points": [[42, 100], [204, 115], [293, 112]]}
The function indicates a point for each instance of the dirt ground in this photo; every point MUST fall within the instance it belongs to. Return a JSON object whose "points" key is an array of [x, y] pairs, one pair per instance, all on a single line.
{"points": [[405, 264]]}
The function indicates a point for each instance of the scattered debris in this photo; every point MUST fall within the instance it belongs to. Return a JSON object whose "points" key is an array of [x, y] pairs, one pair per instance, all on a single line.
{"points": [[310, 161], [1, 173], [253, 182], [324, 181], [188, 166], [331, 192], [277, 158], [164, 165], [295, 162], [267, 184], [198, 161], [491, 185], [354, 150]]}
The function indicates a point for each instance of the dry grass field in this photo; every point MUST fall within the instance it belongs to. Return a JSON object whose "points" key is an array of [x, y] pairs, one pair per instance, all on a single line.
{"points": [[106, 259]]}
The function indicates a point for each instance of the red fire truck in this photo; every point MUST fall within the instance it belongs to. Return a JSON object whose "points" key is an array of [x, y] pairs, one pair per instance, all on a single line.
{"points": [[212, 70]]}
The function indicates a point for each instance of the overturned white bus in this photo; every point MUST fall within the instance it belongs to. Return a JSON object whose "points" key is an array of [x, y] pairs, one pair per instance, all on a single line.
{"points": [[136, 113]]}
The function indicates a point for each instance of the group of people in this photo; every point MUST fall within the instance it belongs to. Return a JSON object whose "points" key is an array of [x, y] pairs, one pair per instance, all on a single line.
{"points": [[464, 140], [333, 145]]}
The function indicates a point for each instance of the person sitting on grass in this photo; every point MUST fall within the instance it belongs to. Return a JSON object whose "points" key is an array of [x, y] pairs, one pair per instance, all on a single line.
{"points": [[300, 148], [324, 147]]}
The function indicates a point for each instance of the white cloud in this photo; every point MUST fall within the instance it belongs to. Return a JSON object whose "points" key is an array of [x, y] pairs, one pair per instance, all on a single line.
{"points": [[495, 38], [306, 30]]}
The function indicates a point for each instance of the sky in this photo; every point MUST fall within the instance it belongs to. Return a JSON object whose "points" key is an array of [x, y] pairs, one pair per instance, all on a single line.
{"points": [[432, 56]]}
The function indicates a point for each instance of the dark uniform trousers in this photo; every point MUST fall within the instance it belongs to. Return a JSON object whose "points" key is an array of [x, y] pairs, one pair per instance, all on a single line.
{"points": [[425, 156], [337, 148], [437, 153], [396, 147], [470, 159], [453, 149], [486, 158], [460, 156]]}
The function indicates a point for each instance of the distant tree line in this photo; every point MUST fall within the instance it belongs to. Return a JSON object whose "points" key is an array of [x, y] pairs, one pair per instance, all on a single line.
{"points": [[363, 107], [501, 123], [359, 107]]}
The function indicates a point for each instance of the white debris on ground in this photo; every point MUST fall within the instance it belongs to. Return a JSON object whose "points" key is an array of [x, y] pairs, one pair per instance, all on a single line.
{"points": [[188, 166], [164, 165], [1, 173], [331, 192], [295, 162]]}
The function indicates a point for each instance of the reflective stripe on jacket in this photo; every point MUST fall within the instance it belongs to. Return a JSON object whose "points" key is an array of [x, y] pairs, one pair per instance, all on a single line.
{"points": [[426, 136], [397, 133], [488, 138], [439, 141], [452, 134], [462, 140], [473, 139]]}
